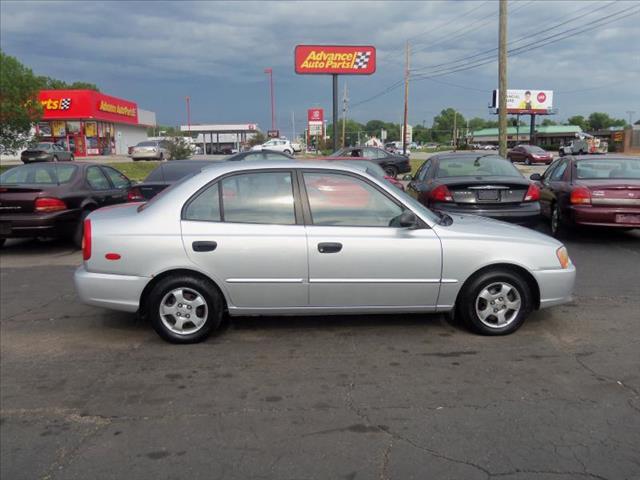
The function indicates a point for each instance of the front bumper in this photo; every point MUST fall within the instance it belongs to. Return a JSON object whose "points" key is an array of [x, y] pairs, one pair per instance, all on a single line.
{"points": [[591, 215], [556, 286], [521, 214], [20, 225], [116, 292]]}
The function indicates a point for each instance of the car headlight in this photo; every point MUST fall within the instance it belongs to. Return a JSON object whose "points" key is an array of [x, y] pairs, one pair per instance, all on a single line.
{"points": [[563, 257]]}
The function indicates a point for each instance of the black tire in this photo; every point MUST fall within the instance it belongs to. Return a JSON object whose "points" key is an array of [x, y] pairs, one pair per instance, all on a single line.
{"points": [[78, 231], [391, 170], [135, 159], [55, 158], [288, 152], [2, 242], [161, 156], [466, 305], [558, 227], [205, 288]]}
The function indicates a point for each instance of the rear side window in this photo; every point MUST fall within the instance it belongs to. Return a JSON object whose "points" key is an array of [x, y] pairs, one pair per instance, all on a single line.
{"points": [[38, 174], [558, 172], [96, 179], [118, 179], [206, 206], [262, 197]]}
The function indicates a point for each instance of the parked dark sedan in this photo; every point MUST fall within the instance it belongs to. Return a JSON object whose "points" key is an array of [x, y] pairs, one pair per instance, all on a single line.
{"points": [[529, 154], [391, 163], [595, 191], [52, 199], [167, 173], [46, 152], [479, 184]]}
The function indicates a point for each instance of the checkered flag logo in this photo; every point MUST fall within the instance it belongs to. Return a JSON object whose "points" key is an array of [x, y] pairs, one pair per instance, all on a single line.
{"points": [[65, 103], [362, 60]]}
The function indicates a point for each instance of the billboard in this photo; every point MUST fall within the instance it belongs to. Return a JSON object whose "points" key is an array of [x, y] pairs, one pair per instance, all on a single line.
{"points": [[315, 115], [335, 59], [526, 101]]}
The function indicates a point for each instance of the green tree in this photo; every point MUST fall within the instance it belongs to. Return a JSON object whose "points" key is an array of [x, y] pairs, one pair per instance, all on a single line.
{"points": [[477, 123], [443, 125], [602, 121], [19, 106], [578, 120], [421, 134], [258, 139], [48, 83], [178, 148]]}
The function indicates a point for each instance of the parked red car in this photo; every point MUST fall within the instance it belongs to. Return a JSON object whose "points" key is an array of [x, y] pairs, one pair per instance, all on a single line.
{"points": [[599, 191], [529, 154]]}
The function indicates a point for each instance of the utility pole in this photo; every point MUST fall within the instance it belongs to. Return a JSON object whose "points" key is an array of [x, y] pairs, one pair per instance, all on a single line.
{"points": [[502, 79], [630, 113], [188, 99], [455, 134], [269, 71], [345, 104], [406, 99], [293, 126]]}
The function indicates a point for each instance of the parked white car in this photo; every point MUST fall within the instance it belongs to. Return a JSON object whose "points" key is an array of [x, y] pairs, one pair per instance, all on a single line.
{"points": [[276, 145]]}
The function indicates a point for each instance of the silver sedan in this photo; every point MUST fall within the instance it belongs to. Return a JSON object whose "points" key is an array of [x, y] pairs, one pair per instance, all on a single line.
{"points": [[282, 238]]}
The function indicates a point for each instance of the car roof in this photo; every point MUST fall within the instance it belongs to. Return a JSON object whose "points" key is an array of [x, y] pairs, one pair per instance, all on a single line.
{"points": [[606, 156], [444, 156], [230, 167]]}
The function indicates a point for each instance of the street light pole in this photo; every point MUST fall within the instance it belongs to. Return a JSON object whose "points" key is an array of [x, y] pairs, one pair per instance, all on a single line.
{"points": [[269, 71], [188, 99], [502, 79]]}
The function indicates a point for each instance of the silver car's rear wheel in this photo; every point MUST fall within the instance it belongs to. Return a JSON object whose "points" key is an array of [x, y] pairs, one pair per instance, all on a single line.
{"points": [[183, 311], [498, 305]]}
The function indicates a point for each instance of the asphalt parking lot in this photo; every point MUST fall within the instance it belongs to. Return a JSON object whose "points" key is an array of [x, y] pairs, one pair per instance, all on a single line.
{"points": [[89, 393]]}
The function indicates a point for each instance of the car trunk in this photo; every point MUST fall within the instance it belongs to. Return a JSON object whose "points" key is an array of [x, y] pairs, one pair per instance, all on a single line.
{"points": [[488, 190], [18, 199], [614, 193]]}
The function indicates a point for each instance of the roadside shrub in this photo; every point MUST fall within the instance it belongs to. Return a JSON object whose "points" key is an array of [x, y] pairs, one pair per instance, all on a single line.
{"points": [[179, 149]]}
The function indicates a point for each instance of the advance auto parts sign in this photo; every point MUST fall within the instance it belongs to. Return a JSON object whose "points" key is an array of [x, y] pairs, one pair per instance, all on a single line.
{"points": [[335, 59]]}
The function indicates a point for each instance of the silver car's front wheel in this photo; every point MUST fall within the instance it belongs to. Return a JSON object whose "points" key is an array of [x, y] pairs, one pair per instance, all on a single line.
{"points": [[184, 308], [498, 304], [183, 311]]}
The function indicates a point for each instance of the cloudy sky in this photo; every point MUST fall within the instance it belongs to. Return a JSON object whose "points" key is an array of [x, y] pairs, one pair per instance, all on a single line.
{"points": [[156, 53]]}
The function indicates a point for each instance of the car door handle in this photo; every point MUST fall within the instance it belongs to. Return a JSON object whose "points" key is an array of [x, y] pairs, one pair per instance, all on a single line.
{"points": [[204, 246], [329, 247]]}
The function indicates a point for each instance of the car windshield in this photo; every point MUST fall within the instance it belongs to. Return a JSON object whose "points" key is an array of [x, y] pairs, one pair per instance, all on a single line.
{"points": [[47, 174], [602, 168], [43, 146], [146, 144], [536, 150], [471, 166]]}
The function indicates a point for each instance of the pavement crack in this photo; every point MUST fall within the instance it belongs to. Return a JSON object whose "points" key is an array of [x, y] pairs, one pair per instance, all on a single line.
{"points": [[386, 456]]}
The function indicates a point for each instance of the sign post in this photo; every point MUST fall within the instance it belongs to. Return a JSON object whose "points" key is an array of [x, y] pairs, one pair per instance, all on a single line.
{"points": [[335, 60]]}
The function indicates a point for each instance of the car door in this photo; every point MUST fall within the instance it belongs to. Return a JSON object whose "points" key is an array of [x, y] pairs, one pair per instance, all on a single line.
{"points": [[99, 185], [418, 184], [357, 260], [246, 231], [120, 185], [551, 183]]}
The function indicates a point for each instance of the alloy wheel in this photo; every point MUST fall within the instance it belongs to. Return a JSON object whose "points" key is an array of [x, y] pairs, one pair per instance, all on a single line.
{"points": [[183, 311], [498, 304]]}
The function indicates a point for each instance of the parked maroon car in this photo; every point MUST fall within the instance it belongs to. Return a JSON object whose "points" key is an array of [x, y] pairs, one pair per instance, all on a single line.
{"points": [[52, 199], [529, 154], [599, 191]]}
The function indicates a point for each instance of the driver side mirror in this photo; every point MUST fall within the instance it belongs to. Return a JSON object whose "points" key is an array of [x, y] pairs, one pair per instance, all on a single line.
{"points": [[536, 177], [408, 177], [408, 219]]}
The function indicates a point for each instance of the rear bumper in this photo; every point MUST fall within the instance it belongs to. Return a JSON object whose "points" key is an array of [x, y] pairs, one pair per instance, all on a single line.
{"points": [[556, 286], [522, 214], [145, 155], [589, 215], [38, 224], [116, 292]]}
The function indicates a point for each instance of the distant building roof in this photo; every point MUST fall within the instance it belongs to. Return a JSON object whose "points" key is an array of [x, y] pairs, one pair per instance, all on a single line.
{"points": [[540, 129]]}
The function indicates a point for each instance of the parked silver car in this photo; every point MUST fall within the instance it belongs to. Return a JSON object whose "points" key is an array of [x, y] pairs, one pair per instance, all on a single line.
{"points": [[265, 238], [151, 150]]}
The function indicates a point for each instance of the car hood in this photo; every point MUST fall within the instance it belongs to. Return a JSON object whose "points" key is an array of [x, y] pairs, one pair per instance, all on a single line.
{"points": [[482, 228]]}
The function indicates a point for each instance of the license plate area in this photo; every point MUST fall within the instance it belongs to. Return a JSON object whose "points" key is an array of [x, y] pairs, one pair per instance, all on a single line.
{"points": [[628, 218], [487, 195]]}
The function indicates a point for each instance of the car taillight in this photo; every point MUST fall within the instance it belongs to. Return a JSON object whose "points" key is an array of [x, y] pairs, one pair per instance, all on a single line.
{"points": [[441, 194], [580, 196], [533, 194], [135, 195], [49, 204], [86, 240]]}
